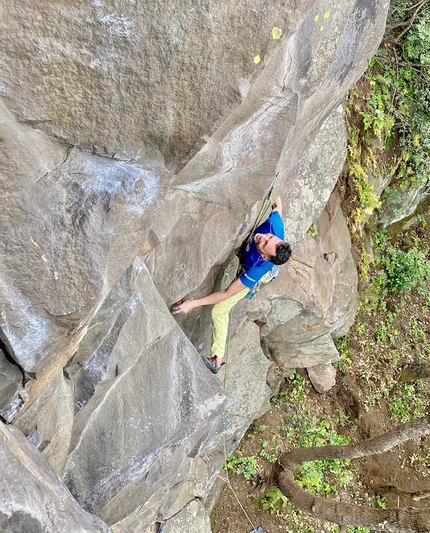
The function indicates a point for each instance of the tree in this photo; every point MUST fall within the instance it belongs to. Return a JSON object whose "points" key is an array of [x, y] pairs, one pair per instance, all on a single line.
{"points": [[389, 520]]}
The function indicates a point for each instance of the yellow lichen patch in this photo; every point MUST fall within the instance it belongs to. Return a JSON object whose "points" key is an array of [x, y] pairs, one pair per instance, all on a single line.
{"points": [[276, 33], [327, 15], [317, 17], [336, 29], [386, 4], [336, 40], [322, 28], [257, 59]]}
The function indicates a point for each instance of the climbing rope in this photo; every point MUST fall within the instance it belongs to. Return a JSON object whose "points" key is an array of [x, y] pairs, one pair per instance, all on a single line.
{"points": [[227, 478], [227, 481], [267, 202]]}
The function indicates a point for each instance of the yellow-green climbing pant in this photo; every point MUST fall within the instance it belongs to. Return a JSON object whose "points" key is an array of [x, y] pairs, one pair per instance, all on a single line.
{"points": [[220, 319]]}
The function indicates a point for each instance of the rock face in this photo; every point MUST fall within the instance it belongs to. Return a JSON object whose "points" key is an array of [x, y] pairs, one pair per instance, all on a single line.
{"points": [[138, 140], [143, 80], [33, 498]]}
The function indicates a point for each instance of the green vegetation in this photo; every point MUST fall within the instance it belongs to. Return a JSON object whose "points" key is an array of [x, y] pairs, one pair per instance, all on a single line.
{"points": [[399, 81], [406, 402], [245, 466], [380, 501], [312, 231], [389, 115], [401, 270], [274, 502]]}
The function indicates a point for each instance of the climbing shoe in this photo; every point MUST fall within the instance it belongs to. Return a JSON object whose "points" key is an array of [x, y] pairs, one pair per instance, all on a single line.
{"points": [[210, 362]]}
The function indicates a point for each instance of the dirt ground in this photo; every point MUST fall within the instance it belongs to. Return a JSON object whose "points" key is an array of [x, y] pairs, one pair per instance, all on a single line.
{"points": [[398, 468]]}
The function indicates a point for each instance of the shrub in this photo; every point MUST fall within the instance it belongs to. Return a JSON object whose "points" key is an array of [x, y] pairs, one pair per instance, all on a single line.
{"points": [[405, 270]]}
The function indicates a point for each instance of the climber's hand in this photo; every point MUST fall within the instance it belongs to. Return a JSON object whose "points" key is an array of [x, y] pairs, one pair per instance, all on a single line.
{"points": [[183, 307], [277, 205]]}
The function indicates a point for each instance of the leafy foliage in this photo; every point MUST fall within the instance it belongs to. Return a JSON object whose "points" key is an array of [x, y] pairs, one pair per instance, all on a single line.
{"points": [[403, 270], [399, 78], [407, 403], [274, 501], [245, 466]]}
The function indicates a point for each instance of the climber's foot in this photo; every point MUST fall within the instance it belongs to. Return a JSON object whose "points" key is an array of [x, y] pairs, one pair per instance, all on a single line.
{"points": [[212, 364]]}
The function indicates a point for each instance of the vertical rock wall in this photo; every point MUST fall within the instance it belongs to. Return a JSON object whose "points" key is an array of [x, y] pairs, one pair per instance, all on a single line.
{"points": [[137, 141]]}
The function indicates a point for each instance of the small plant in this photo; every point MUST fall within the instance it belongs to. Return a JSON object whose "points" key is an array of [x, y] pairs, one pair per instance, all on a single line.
{"points": [[381, 501], [407, 404], [312, 231], [245, 466], [381, 333], [274, 501], [265, 454], [344, 350], [405, 270]]}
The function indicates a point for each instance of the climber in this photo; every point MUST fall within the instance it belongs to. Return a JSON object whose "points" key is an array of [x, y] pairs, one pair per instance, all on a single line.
{"points": [[259, 264]]}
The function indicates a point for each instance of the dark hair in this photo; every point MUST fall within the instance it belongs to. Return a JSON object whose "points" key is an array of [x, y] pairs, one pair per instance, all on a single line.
{"points": [[283, 253]]}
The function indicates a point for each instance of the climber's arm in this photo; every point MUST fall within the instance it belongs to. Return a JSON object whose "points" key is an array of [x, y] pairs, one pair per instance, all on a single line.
{"points": [[214, 298]]}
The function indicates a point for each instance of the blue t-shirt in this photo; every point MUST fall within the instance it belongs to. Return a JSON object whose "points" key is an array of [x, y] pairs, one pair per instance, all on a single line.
{"points": [[252, 263]]}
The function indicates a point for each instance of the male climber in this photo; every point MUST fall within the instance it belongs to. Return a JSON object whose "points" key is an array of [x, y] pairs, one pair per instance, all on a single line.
{"points": [[264, 252]]}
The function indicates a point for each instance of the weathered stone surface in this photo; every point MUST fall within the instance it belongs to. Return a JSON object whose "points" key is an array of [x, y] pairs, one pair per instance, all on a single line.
{"points": [[143, 80], [323, 377], [49, 421], [161, 474], [192, 518], [402, 203], [270, 130], [10, 389], [32, 497], [245, 365], [152, 398], [77, 228], [78, 221], [150, 87]]}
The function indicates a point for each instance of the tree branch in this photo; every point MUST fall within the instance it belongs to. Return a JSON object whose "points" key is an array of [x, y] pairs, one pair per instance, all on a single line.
{"points": [[411, 20], [375, 445], [389, 520]]}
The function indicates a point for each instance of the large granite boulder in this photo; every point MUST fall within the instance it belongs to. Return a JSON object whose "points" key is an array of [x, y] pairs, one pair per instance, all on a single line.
{"points": [[219, 190], [138, 141], [72, 223], [32, 497], [144, 403], [401, 204]]}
